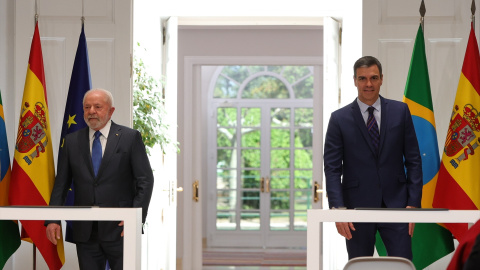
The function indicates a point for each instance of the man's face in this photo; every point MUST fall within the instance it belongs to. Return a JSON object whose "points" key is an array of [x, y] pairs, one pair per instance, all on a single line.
{"points": [[96, 110], [368, 82]]}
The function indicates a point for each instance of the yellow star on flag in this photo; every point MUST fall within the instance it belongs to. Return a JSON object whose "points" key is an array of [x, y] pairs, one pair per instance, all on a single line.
{"points": [[71, 120]]}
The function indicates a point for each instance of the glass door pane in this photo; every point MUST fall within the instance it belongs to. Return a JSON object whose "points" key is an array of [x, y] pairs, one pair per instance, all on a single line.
{"points": [[302, 166], [291, 167], [250, 157], [226, 206], [280, 163]]}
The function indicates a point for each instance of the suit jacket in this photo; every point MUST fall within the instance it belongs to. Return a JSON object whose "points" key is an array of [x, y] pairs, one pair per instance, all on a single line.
{"points": [[125, 178], [357, 176]]}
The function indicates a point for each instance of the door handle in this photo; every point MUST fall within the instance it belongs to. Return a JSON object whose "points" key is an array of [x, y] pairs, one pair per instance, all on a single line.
{"points": [[265, 184], [316, 191], [195, 191], [171, 192], [178, 189], [268, 184]]}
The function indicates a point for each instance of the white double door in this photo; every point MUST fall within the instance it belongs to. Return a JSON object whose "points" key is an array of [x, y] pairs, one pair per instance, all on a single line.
{"points": [[260, 179]]}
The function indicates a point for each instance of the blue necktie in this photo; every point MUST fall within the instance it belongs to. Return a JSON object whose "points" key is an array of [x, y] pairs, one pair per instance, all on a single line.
{"points": [[373, 128], [96, 152]]}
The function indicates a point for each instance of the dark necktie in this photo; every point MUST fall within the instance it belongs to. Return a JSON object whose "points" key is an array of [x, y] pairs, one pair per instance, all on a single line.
{"points": [[96, 152], [373, 128]]}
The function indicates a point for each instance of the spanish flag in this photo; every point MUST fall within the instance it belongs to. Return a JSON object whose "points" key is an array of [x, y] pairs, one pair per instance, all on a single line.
{"points": [[458, 184], [33, 171]]}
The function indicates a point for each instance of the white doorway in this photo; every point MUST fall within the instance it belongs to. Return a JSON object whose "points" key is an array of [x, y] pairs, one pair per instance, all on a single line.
{"points": [[196, 112]]}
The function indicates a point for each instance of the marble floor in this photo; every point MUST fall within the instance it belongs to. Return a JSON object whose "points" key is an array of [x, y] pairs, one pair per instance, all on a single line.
{"points": [[278, 251], [254, 268], [212, 257]]}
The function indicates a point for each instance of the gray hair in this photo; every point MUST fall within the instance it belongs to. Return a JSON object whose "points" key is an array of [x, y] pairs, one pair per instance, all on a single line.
{"points": [[107, 93]]}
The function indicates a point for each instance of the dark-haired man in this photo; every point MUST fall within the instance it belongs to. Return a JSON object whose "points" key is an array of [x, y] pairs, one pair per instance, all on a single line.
{"points": [[372, 159]]}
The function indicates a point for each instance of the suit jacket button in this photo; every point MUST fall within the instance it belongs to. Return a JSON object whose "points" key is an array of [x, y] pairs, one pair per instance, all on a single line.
{"points": [[95, 184]]}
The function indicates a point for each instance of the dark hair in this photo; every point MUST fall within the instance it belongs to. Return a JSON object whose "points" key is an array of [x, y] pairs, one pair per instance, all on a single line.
{"points": [[366, 61]]}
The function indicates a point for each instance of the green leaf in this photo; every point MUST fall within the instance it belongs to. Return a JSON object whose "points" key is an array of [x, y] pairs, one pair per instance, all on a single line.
{"points": [[149, 112]]}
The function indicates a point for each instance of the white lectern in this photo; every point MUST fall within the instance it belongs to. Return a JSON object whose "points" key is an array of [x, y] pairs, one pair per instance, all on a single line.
{"points": [[317, 216], [131, 216]]}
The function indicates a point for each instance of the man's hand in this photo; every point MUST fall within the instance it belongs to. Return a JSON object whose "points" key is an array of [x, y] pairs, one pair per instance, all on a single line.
{"points": [[344, 228], [121, 224], [54, 232], [411, 226]]}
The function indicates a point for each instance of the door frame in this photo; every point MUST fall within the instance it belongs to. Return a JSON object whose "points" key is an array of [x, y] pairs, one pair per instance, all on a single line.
{"points": [[194, 114]]}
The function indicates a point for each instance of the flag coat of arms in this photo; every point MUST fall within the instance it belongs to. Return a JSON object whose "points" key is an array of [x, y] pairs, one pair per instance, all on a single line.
{"points": [[33, 171]]}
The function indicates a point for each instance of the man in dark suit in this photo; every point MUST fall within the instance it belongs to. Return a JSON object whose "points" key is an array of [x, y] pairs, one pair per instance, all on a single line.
{"points": [[108, 169], [372, 159]]}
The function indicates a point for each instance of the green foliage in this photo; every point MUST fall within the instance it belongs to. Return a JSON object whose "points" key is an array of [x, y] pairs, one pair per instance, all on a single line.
{"points": [[149, 112], [280, 151], [265, 87]]}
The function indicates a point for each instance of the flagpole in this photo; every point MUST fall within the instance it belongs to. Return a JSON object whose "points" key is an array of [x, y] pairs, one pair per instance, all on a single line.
{"points": [[35, 247], [473, 9], [422, 11], [83, 16], [34, 257], [36, 14]]}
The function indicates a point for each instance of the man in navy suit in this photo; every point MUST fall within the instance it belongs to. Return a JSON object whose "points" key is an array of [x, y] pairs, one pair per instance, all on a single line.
{"points": [[372, 159], [121, 177]]}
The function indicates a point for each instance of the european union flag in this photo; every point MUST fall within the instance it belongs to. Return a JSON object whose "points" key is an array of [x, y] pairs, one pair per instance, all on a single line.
{"points": [[80, 83]]}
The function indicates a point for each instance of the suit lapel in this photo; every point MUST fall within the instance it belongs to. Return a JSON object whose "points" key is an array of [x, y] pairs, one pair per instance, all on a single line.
{"points": [[112, 142], [384, 122]]}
